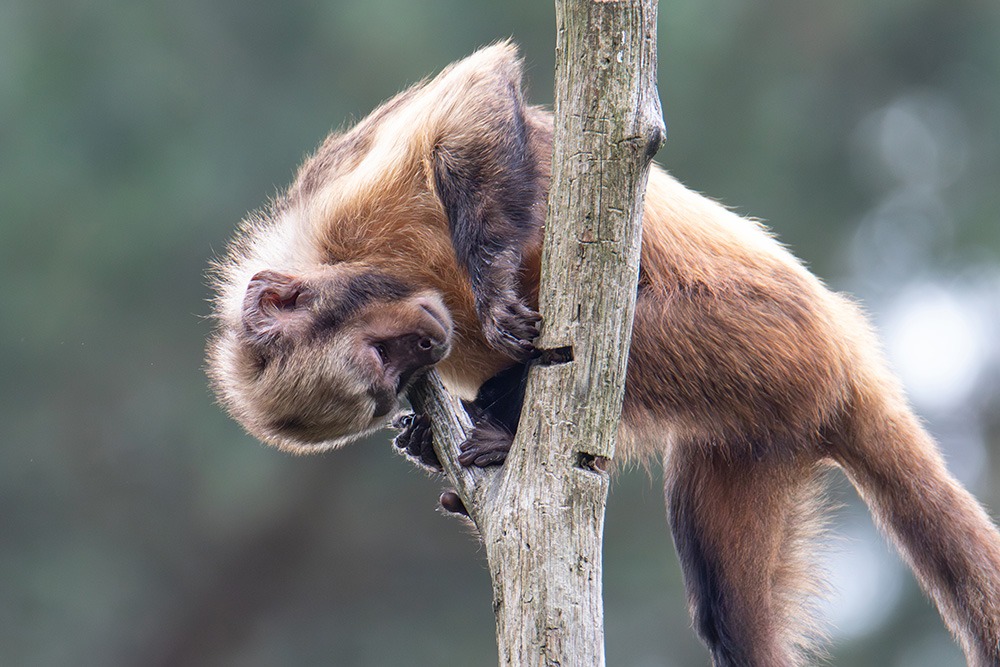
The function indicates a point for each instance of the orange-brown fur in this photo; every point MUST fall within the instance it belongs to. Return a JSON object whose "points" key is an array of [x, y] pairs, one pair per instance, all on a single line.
{"points": [[746, 374]]}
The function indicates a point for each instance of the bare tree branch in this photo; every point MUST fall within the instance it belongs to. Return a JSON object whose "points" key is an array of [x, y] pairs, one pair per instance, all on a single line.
{"points": [[541, 516]]}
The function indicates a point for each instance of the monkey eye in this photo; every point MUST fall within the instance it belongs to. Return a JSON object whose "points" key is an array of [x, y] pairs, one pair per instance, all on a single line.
{"points": [[382, 352]]}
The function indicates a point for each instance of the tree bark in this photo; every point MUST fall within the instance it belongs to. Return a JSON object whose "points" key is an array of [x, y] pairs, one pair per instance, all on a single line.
{"points": [[541, 515]]}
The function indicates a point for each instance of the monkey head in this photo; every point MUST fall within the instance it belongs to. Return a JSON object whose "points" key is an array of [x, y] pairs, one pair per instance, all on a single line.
{"points": [[330, 299], [320, 358]]}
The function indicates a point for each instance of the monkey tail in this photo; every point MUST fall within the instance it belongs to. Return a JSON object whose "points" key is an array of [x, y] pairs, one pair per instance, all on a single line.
{"points": [[942, 532]]}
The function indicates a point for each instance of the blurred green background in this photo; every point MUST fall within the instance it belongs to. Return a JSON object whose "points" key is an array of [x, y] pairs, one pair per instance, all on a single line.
{"points": [[139, 526]]}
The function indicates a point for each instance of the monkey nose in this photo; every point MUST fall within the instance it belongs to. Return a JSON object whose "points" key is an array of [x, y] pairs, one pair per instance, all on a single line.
{"points": [[432, 350], [412, 352]]}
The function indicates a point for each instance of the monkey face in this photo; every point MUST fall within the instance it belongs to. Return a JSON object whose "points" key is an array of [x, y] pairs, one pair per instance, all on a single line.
{"points": [[321, 358]]}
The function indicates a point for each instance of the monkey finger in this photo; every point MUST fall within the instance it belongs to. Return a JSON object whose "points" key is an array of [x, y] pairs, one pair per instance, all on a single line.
{"points": [[403, 420], [491, 458], [529, 315], [402, 441]]}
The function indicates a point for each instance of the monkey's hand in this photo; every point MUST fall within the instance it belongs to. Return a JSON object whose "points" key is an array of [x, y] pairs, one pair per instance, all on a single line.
{"points": [[416, 441], [488, 445], [511, 327]]}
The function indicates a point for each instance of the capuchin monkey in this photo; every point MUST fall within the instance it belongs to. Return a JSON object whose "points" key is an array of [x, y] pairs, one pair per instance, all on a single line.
{"points": [[413, 240]]}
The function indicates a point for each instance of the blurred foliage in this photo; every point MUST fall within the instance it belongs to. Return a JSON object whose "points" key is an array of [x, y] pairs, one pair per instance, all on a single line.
{"points": [[140, 526]]}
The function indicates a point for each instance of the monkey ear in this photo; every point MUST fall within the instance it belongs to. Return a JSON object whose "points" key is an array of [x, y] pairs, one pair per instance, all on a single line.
{"points": [[275, 306]]}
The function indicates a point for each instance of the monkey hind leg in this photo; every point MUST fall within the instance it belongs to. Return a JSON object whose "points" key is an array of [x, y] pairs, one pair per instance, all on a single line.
{"points": [[943, 533], [744, 530]]}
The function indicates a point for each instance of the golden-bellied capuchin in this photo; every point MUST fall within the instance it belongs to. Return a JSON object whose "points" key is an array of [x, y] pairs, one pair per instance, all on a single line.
{"points": [[413, 239]]}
